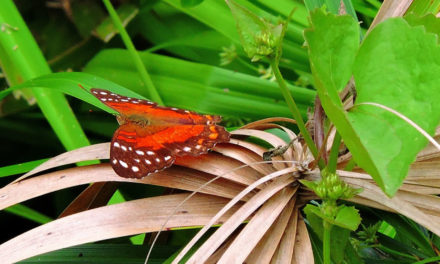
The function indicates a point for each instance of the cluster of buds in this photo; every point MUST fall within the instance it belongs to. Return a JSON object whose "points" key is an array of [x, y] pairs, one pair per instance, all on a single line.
{"points": [[259, 37]]}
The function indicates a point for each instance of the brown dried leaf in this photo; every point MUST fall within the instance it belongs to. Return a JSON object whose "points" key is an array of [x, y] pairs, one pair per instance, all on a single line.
{"points": [[397, 203], [173, 177], [265, 249], [96, 195], [246, 156], [285, 249], [302, 253], [257, 227], [124, 219], [235, 220]]}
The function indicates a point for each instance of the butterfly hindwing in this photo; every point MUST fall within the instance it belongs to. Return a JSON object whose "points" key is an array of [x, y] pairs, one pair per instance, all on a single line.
{"points": [[138, 151], [130, 160]]}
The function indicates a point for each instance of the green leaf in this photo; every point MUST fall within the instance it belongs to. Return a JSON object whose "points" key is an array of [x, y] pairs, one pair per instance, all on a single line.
{"points": [[190, 3], [332, 62], [333, 42], [310, 184], [338, 236], [68, 82], [107, 30], [20, 168], [86, 16], [421, 7], [333, 6], [23, 60], [28, 213], [313, 4], [348, 217], [430, 22], [397, 66]]}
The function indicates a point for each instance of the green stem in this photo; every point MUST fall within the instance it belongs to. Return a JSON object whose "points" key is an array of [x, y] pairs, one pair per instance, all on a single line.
{"points": [[246, 64], [326, 241], [334, 153], [350, 165], [134, 54], [295, 111]]}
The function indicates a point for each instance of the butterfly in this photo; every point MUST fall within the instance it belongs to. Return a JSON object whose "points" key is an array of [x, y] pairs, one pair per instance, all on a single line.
{"points": [[150, 137]]}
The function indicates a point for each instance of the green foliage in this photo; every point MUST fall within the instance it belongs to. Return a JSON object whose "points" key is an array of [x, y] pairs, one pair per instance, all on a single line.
{"points": [[23, 60], [332, 6], [188, 37], [190, 3], [259, 37], [339, 236], [385, 72], [331, 187], [107, 30]]}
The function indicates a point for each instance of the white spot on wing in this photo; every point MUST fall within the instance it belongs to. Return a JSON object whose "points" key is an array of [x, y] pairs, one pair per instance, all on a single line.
{"points": [[157, 160], [137, 160], [198, 147], [115, 161], [124, 100], [187, 149], [95, 92], [148, 162], [167, 158], [140, 152], [116, 145], [110, 99], [151, 153], [134, 168], [103, 99], [103, 93], [123, 164], [124, 148], [130, 148]]}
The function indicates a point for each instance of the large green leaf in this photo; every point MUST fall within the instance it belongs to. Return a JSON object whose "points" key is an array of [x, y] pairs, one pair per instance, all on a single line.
{"points": [[396, 66], [333, 42]]}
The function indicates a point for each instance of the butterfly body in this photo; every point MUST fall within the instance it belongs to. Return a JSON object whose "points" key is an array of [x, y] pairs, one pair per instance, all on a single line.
{"points": [[150, 137]]}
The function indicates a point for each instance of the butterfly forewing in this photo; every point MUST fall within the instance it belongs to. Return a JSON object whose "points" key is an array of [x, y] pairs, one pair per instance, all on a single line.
{"points": [[150, 136]]}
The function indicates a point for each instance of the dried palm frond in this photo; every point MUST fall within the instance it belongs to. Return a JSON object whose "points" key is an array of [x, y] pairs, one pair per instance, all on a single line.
{"points": [[265, 195]]}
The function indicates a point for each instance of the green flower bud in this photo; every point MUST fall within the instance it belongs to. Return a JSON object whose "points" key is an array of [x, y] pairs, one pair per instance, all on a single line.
{"points": [[259, 37], [228, 55]]}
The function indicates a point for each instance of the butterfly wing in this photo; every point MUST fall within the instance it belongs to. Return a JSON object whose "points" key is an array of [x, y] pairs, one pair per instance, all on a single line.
{"points": [[151, 136], [128, 106], [138, 151]]}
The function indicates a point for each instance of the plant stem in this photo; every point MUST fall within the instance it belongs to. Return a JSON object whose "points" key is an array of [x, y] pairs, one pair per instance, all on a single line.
{"points": [[326, 241], [334, 152], [134, 54], [295, 111]]}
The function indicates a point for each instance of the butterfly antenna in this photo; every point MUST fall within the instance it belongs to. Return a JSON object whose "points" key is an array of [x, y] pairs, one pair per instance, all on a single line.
{"points": [[82, 87], [198, 190]]}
